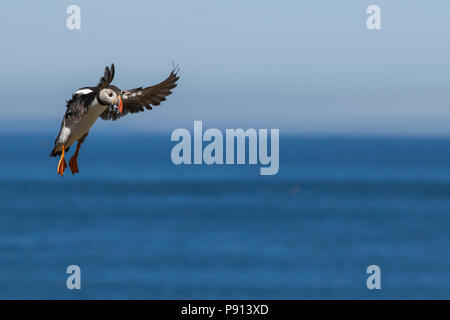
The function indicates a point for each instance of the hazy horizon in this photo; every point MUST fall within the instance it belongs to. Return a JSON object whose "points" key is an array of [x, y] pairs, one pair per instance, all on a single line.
{"points": [[305, 68]]}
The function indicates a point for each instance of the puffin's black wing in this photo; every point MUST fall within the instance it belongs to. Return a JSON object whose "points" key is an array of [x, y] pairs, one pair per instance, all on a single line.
{"points": [[77, 107], [139, 99], [107, 78]]}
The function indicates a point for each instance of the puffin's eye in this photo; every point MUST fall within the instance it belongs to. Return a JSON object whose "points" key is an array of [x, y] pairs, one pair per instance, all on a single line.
{"points": [[110, 94]]}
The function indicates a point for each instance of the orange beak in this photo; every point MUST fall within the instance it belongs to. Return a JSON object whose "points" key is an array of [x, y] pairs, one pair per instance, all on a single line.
{"points": [[120, 104]]}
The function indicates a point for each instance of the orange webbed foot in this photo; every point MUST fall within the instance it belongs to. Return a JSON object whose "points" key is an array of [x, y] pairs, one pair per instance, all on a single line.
{"points": [[73, 164], [61, 166], [62, 162]]}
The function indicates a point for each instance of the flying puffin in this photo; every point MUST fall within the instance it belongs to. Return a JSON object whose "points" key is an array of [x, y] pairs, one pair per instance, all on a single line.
{"points": [[107, 102]]}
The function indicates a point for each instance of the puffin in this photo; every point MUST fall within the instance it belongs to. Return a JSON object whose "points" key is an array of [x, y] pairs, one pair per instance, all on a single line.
{"points": [[107, 102]]}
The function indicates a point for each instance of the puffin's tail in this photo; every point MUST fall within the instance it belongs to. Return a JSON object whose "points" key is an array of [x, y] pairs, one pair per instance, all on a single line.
{"points": [[55, 152]]}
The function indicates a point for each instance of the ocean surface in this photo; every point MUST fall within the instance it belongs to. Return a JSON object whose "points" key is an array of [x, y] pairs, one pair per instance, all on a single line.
{"points": [[141, 227]]}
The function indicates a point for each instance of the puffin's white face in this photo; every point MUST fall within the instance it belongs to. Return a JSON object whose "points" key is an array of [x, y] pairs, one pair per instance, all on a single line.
{"points": [[108, 96]]}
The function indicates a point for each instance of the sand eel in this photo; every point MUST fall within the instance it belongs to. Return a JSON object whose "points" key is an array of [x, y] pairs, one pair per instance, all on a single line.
{"points": [[107, 102]]}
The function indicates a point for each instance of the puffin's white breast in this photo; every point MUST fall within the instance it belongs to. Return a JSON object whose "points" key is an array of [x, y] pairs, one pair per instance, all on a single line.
{"points": [[86, 123]]}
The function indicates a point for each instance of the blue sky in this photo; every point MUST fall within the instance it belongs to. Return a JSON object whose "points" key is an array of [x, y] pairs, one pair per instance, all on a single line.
{"points": [[301, 66]]}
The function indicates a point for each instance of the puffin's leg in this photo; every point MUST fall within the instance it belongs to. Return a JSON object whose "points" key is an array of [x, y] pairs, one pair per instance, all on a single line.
{"points": [[73, 163], [62, 162]]}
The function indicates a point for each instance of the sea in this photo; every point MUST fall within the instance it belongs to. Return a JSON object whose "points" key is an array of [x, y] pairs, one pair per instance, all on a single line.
{"points": [[140, 227]]}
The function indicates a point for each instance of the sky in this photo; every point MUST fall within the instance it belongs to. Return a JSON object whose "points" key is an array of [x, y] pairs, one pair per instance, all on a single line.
{"points": [[305, 67]]}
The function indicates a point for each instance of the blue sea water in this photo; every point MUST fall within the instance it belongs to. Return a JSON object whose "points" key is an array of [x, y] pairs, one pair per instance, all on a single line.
{"points": [[141, 227]]}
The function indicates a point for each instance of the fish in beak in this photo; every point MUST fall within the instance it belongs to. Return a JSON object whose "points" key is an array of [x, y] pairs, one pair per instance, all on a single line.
{"points": [[118, 104]]}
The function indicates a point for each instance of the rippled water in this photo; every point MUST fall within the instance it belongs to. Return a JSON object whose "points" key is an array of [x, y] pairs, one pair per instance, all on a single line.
{"points": [[141, 227]]}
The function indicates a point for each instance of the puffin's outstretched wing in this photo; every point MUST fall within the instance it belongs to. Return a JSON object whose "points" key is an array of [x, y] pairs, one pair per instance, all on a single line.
{"points": [[139, 99], [107, 78]]}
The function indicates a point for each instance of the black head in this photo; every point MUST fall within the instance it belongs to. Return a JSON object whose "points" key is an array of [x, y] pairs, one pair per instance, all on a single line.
{"points": [[115, 89]]}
